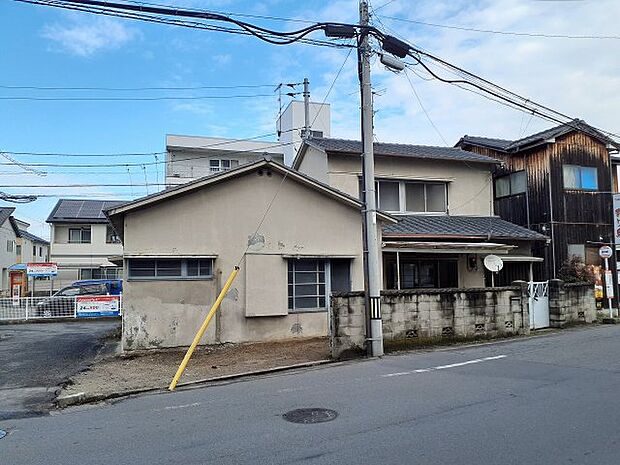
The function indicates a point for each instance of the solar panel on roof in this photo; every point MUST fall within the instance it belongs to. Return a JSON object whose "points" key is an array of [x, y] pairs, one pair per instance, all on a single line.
{"points": [[82, 209]]}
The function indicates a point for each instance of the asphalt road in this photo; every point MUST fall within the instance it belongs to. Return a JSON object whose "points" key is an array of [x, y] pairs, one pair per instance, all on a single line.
{"points": [[546, 400], [36, 358]]}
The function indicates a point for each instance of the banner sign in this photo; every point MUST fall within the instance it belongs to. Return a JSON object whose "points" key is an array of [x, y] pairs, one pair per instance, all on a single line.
{"points": [[609, 284], [97, 305], [42, 269], [616, 204]]}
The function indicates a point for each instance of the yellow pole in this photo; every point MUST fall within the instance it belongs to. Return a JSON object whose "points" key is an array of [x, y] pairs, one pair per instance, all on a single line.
{"points": [[203, 328]]}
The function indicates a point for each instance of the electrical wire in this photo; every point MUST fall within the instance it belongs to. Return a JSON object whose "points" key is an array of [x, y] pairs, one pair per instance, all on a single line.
{"points": [[133, 99], [125, 154], [136, 12], [241, 15], [107, 165], [508, 33], [428, 117], [331, 86], [132, 89]]}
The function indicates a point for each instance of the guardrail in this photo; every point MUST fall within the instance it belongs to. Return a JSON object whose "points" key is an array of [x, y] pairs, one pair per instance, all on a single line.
{"points": [[85, 306]]}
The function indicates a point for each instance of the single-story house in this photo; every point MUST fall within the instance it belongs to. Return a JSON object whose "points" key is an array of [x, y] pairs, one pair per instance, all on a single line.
{"points": [[296, 239]]}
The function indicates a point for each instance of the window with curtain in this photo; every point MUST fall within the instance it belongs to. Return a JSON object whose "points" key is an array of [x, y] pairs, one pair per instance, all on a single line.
{"points": [[580, 177], [511, 184]]}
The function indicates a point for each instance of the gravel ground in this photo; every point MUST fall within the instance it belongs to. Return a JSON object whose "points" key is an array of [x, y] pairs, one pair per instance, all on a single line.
{"points": [[156, 369]]}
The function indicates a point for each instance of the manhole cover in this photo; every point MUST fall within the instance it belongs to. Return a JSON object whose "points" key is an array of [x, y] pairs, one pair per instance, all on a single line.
{"points": [[2, 433], [310, 415]]}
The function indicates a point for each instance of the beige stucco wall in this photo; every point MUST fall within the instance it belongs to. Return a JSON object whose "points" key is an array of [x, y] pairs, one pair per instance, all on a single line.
{"points": [[219, 220], [314, 164], [470, 278], [469, 188]]}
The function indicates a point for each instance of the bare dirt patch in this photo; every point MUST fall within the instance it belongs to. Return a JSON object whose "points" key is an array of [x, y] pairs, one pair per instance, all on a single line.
{"points": [[155, 369]]}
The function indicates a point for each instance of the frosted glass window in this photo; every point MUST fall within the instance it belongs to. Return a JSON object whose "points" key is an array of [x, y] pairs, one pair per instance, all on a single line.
{"points": [[389, 196], [435, 197], [414, 197]]}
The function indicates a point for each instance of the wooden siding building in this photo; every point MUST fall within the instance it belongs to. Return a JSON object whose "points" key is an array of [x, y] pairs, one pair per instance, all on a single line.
{"points": [[557, 182]]}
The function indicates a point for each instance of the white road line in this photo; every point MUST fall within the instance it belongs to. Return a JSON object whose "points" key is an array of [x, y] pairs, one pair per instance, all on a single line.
{"points": [[402, 373], [444, 367], [174, 407]]}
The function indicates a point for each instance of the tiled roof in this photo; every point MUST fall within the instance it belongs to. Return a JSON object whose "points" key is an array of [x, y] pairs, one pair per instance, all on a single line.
{"points": [[497, 144], [446, 226], [31, 237], [400, 150], [539, 137], [5, 214], [558, 131], [88, 211]]}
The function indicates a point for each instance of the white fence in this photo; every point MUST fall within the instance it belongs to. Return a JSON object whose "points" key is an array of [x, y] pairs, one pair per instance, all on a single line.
{"points": [[86, 306]]}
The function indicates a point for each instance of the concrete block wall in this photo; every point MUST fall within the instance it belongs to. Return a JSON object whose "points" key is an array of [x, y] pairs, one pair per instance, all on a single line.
{"points": [[348, 325], [570, 303], [431, 313]]}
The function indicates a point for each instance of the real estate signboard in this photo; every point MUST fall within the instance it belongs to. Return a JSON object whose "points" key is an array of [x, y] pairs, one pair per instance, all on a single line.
{"points": [[97, 305], [41, 269]]}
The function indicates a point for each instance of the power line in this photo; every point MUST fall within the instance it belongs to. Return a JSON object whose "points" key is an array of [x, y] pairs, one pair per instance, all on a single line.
{"points": [[133, 99], [137, 12], [74, 165], [65, 186], [508, 33], [124, 154], [505, 95], [133, 89], [331, 87], [428, 117], [241, 15], [489, 89]]}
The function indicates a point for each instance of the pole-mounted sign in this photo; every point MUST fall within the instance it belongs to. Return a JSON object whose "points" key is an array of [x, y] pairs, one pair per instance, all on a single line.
{"points": [[606, 253]]}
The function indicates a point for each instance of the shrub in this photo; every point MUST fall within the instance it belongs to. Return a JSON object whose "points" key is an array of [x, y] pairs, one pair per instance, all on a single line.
{"points": [[574, 270]]}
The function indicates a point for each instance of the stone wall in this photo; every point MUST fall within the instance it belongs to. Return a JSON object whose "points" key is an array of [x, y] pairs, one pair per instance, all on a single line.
{"points": [[570, 303], [431, 314]]}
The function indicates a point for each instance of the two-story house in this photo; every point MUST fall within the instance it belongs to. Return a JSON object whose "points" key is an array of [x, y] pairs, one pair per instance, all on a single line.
{"points": [[557, 182], [22, 247], [8, 244], [83, 241], [30, 248], [442, 197]]}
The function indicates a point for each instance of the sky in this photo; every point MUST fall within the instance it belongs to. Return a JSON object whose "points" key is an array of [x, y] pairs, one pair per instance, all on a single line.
{"points": [[49, 47]]}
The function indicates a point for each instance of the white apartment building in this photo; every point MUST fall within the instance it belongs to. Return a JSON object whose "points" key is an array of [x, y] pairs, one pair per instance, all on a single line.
{"points": [[192, 157]]}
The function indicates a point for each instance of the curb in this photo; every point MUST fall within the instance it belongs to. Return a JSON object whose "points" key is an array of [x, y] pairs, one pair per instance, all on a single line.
{"points": [[80, 398], [58, 320]]}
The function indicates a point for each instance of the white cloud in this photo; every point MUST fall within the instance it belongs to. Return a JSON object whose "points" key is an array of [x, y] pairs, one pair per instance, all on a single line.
{"points": [[85, 36]]}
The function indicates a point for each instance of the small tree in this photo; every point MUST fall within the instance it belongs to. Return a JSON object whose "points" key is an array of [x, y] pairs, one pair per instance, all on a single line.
{"points": [[574, 270]]}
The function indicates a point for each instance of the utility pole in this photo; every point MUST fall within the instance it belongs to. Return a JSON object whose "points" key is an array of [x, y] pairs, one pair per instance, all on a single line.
{"points": [[306, 95], [371, 245]]}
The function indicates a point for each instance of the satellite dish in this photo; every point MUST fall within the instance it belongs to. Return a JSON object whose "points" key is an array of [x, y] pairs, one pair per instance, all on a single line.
{"points": [[493, 263]]}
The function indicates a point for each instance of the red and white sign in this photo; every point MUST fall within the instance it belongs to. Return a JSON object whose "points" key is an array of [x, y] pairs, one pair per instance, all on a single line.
{"points": [[42, 269], [97, 305]]}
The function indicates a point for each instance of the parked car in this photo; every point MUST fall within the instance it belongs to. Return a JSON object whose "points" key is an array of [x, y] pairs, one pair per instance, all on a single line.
{"points": [[62, 303], [114, 286]]}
